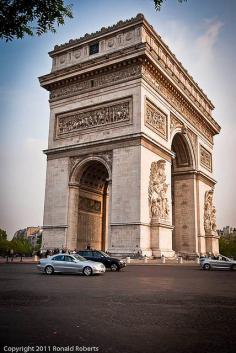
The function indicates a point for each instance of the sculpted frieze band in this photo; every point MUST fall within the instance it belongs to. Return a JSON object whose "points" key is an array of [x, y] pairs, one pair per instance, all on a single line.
{"points": [[155, 119], [110, 113], [102, 80]]}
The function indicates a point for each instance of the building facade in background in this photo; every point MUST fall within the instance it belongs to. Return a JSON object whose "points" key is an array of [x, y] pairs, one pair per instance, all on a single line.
{"points": [[129, 159]]}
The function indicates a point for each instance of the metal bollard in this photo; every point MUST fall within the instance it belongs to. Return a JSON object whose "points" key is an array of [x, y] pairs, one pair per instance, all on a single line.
{"points": [[128, 260], [180, 260], [145, 259], [163, 259]]}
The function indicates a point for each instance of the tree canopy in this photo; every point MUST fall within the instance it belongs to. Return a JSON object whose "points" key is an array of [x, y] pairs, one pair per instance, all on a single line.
{"points": [[158, 3], [20, 17]]}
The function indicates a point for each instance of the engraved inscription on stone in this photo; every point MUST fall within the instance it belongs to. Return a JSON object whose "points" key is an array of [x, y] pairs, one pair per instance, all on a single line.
{"points": [[107, 114], [89, 205], [205, 158], [155, 119]]}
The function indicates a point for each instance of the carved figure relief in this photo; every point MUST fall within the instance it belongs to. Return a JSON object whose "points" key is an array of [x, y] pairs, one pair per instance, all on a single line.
{"points": [[100, 116], [205, 158], [209, 213], [174, 123], [155, 119], [157, 192]]}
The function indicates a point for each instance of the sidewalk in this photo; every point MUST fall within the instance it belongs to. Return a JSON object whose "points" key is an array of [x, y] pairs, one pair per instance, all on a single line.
{"points": [[17, 260], [152, 262], [133, 262]]}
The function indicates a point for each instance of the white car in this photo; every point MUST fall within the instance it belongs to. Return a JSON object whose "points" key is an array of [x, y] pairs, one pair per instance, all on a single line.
{"points": [[67, 263], [220, 262]]}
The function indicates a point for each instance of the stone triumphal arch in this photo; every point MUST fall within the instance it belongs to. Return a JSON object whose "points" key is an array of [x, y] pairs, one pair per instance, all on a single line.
{"points": [[129, 158]]}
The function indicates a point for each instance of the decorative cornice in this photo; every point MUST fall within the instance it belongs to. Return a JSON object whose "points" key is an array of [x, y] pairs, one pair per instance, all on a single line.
{"points": [[92, 66], [158, 49], [207, 126], [104, 30]]}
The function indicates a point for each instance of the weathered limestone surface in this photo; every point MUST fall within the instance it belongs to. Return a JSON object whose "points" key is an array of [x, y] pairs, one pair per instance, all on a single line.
{"points": [[130, 147]]}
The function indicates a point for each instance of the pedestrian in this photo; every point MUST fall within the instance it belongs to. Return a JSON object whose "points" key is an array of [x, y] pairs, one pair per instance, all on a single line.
{"points": [[12, 254]]}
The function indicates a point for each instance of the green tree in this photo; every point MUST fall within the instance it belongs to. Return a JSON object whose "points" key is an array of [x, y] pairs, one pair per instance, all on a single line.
{"points": [[20, 17], [3, 234], [158, 3], [22, 247], [227, 245]]}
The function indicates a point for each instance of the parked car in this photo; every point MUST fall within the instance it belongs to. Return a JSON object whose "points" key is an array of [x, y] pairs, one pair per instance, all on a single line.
{"points": [[67, 263], [96, 255], [220, 261]]}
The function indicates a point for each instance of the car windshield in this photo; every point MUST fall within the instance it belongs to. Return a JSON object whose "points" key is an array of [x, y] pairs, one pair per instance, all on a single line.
{"points": [[80, 258], [103, 253]]}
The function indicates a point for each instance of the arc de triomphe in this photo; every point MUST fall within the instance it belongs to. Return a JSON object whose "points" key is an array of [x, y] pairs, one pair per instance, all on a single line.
{"points": [[129, 158]]}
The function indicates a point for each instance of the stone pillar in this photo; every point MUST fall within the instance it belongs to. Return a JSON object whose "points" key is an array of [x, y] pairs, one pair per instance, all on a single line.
{"points": [[73, 206], [212, 243], [109, 206], [161, 239], [161, 230]]}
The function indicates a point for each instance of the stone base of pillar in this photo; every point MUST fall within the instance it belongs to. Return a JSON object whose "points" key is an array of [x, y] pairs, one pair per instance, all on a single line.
{"points": [[161, 239], [212, 243]]}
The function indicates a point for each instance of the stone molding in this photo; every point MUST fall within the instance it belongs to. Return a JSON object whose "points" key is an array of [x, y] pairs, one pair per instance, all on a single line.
{"points": [[103, 157], [155, 119], [205, 158], [125, 73], [102, 31], [97, 117]]}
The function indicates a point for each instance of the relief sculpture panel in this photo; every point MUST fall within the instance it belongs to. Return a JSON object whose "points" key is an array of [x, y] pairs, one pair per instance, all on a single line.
{"points": [[205, 158], [158, 202], [155, 119], [102, 116]]}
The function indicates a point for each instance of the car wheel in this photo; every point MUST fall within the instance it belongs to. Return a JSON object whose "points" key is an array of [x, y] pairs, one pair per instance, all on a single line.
{"points": [[207, 267], [49, 270], [233, 267], [114, 267], [87, 271]]}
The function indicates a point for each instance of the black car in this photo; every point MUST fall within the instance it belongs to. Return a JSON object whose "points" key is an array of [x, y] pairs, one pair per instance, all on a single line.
{"points": [[100, 256]]}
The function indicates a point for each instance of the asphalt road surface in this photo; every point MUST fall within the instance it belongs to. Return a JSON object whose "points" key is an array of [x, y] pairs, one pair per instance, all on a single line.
{"points": [[142, 309]]}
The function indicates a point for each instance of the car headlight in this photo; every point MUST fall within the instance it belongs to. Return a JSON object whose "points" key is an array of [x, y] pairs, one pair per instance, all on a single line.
{"points": [[99, 266]]}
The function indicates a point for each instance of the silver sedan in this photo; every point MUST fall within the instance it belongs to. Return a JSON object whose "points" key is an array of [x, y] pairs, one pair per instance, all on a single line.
{"points": [[67, 263], [220, 262]]}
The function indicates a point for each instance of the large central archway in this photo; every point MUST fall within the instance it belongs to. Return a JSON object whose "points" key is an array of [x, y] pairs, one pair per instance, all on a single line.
{"points": [[183, 199], [93, 206], [89, 189]]}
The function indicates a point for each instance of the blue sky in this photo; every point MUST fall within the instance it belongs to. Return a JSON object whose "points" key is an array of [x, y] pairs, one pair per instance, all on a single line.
{"points": [[202, 35]]}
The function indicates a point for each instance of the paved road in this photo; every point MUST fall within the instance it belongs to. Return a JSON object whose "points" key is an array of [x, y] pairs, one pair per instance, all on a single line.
{"points": [[143, 309]]}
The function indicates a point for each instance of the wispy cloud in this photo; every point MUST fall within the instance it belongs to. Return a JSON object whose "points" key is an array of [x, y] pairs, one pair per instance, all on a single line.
{"points": [[205, 44]]}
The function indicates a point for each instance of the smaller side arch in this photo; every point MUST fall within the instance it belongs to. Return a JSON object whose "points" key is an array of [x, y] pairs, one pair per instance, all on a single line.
{"points": [[81, 165]]}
